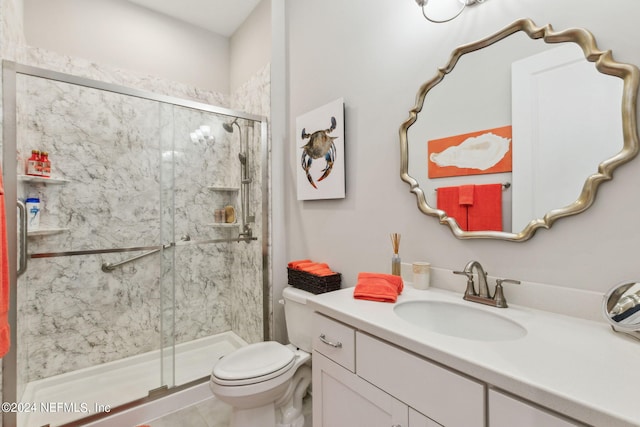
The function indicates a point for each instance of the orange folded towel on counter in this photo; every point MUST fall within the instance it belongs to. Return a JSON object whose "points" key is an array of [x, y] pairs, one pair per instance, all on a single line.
{"points": [[394, 280], [378, 287]]}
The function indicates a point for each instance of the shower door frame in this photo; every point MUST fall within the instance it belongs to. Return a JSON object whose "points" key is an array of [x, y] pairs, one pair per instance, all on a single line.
{"points": [[10, 70]]}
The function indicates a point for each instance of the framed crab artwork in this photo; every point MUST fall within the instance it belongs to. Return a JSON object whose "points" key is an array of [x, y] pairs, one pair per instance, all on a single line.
{"points": [[320, 152]]}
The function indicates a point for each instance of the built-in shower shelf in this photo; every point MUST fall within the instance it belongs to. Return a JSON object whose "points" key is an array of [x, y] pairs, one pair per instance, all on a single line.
{"points": [[215, 188], [224, 225], [46, 232], [38, 179]]}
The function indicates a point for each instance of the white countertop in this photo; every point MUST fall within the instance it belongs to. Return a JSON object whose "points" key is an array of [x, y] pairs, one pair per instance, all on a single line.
{"points": [[576, 367]]}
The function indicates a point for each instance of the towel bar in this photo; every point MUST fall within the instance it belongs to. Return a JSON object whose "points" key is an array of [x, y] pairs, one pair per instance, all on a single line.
{"points": [[108, 266], [504, 186], [134, 249]]}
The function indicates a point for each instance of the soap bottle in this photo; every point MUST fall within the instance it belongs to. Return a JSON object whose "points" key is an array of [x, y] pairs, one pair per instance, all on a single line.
{"points": [[33, 212], [34, 165], [46, 164]]}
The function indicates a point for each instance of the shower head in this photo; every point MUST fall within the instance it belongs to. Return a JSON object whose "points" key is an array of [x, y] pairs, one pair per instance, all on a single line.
{"points": [[229, 125]]}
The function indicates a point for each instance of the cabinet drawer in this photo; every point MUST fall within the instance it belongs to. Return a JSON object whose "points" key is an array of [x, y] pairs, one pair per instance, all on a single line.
{"points": [[335, 340], [504, 409], [444, 396]]}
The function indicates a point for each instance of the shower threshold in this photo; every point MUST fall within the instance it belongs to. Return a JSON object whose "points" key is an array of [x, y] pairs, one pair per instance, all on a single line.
{"points": [[67, 397]]}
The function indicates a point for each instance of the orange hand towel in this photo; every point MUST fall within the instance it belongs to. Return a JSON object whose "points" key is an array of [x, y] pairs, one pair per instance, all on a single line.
{"points": [[306, 265], [449, 201], [315, 267], [319, 270], [323, 272], [294, 264], [486, 212], [396, 281], [375, 290], [466, 194], [5, 332]]}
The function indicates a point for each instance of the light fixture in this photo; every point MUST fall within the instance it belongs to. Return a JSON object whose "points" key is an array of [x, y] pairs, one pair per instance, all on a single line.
{"points": [[439, 11], [202, 134]]}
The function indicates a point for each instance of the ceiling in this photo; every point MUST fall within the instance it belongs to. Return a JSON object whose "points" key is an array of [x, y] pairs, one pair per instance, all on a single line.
{"points": [[219, 16]]}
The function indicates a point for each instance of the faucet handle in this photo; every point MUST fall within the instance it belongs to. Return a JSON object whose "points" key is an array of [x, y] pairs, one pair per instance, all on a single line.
{"points": [[499, 282], [498, 296], [471, 290]]}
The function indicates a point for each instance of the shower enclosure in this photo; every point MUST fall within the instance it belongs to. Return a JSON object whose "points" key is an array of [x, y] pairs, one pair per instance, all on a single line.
{"points": [[150, 259]]}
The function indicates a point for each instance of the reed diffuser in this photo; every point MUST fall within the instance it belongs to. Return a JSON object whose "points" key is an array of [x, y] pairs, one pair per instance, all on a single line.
{"points": [[395, 259]]}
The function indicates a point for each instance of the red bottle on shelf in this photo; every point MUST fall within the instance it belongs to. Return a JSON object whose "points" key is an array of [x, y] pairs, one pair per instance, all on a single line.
{"points": [[46, 164], [34, 164]]}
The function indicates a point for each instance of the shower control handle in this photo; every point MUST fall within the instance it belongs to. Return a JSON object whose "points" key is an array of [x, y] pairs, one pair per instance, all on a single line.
{"points": [[22, 208], [323, 338]]}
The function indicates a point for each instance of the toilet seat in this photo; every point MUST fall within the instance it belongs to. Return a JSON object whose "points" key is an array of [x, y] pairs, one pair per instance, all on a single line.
{"points": [[253, 364]]}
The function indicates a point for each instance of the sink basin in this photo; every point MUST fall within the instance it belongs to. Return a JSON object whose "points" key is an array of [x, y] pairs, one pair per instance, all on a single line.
{"points": [[459, 320]]}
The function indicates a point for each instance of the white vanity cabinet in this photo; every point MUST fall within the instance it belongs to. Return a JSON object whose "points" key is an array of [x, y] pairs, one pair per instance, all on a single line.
{"points": [[362, 381], [539, 379], [342, 399], [359, 381], [444, 396], [503, 410]]}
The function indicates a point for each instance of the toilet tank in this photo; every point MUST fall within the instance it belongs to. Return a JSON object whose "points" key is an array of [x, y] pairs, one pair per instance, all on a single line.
{"points": [[297, 315]]}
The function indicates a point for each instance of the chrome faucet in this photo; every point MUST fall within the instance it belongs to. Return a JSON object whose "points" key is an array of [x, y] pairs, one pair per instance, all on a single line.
{"points": [[483, 296]]}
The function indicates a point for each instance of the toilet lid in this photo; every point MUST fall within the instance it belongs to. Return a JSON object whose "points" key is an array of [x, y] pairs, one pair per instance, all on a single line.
{"points": [[255, 361]]}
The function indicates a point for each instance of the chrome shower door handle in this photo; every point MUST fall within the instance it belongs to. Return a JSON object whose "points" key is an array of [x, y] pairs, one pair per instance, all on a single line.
{"points": [[22, 266], [324, 339]]}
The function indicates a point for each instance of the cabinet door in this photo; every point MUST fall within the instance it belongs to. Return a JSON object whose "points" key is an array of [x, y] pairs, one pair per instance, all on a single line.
{"points": [[342, 399], [416, 419], [445, 396], [504, 411]]}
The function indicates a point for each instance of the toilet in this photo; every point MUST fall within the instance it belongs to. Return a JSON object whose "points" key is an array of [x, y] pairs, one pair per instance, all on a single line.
{"points": [[266, 381]]}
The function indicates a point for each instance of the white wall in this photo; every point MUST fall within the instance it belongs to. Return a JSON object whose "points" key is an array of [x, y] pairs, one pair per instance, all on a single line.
{"points": [[376, 54], [127, 36], [250, 45]]}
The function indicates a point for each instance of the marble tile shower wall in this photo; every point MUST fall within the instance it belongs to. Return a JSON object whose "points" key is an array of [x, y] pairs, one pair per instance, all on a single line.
{"points": [[252, 97], [118, 153], [204, 279]]}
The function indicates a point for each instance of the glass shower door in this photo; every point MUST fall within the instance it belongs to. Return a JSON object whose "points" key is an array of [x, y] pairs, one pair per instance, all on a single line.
{"points": [[149, 259], [218, 286], [89, 323]]}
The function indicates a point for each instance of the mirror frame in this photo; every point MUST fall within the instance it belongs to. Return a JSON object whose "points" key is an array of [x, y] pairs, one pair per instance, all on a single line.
{"points": [[604, 63]]}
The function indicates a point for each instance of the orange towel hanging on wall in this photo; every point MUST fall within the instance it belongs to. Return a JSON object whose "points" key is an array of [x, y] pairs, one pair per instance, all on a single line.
{"points": [[466, 195], [449, 201], [486, 212], [474, 207], [5, 333]]}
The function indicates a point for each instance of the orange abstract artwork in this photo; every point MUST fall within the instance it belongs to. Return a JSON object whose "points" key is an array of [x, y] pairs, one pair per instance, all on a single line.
{"points": [[475, 153]]}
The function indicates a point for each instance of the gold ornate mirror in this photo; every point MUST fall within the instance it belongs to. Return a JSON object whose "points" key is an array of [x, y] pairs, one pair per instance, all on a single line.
{"points": [[518, 130]]}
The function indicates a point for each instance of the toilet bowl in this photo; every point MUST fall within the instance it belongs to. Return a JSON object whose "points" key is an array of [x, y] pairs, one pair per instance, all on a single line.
{"points": [[266, 381]]}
